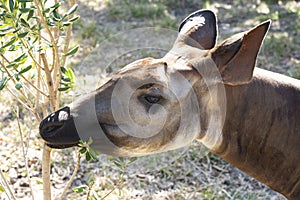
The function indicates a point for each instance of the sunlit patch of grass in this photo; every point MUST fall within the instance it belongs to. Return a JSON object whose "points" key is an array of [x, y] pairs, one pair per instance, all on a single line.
{"points": [[151, 11], [88, 31], [295, 70], [279, 44], [293, 6], [166, 22], [274, 16], [124, 10]]}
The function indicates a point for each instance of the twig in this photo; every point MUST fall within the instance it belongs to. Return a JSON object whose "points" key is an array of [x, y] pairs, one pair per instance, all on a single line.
{"points": [[54, 49], [21, 92], [23, 150], [55, 61], [30, 83], [72, 177], [39, 81], [24, 104], [89, 190], [10, 195], [68, 36], [46, 172], [64, 58], [49, 81], [22, 41], [19, 100], [116, 186]]}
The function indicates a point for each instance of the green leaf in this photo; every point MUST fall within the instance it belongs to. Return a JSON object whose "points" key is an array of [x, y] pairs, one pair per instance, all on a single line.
{"points": [[66, 23], [3, 83], [13, 48], [72, 51], [30, 14], [121, 160], [24, 10], [25, 23], [73, 19], [63, 70], [83, 150], [21, 59], [49, 23], [65, 84], [10, 42], [93, 154], [1, 189], [17, 77], [90, 141], [11, 5], [25, 69], [68, 75], [55, 19], [81, 143], [22, 35], [72, 9], [5, 27], [13, 64], [39, 182], [79, 189], [18, 86], [66, 79], [46, 10], [56, 16], [131, 160], [25, 0], [16, 30], [55, 6], [88, 157], [63, 89], [118, 164]]}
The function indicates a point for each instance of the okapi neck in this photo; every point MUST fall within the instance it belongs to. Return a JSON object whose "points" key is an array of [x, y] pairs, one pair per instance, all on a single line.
{"points": [[261, 134]]}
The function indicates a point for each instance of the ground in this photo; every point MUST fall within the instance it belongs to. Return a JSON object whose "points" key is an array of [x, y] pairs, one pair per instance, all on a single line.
{"points": [[113, 33]]}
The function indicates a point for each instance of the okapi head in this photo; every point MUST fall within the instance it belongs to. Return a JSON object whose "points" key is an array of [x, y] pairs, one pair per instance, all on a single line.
{"points": [[155, 105]]}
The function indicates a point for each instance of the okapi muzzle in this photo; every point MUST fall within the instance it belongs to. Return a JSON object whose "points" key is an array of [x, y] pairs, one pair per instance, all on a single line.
{"points": [[58, 129]]}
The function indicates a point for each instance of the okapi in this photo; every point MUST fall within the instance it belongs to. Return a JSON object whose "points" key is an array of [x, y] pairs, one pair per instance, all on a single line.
{"points": [[198, 91]]}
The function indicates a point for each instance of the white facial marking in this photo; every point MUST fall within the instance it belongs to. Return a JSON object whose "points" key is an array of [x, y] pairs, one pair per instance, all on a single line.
{"points": [[193, 22], [63, 115]]}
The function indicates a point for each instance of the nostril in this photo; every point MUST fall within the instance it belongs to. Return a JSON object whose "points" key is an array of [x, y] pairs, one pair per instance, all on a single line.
{"points": [[50, 127]]}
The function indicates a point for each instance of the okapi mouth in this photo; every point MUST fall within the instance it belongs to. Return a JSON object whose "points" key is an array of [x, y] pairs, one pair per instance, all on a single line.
{"points": [[58, 129]]}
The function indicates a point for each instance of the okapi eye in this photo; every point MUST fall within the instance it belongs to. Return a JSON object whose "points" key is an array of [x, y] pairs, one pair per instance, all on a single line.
{"points": [[152, 99]]}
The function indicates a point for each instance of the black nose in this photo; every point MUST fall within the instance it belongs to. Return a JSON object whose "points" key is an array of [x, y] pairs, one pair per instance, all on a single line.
{"points": [[58, 129]]}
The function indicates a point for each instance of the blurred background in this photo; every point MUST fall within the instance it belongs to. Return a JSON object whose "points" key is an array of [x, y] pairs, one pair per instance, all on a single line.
{"points": [[188, 173]]}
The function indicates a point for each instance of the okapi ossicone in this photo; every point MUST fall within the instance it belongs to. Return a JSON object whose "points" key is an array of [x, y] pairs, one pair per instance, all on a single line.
{"points": [[198, 91]]}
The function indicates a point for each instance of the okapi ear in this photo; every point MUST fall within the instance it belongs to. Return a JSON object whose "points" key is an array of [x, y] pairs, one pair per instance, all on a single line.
{"points": [[199, 29], [236, 56]]}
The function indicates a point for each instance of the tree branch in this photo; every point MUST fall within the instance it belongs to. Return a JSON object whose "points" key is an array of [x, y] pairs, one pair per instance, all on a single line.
{"points": [[72, 177], [49, 82], [46, 172]]}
